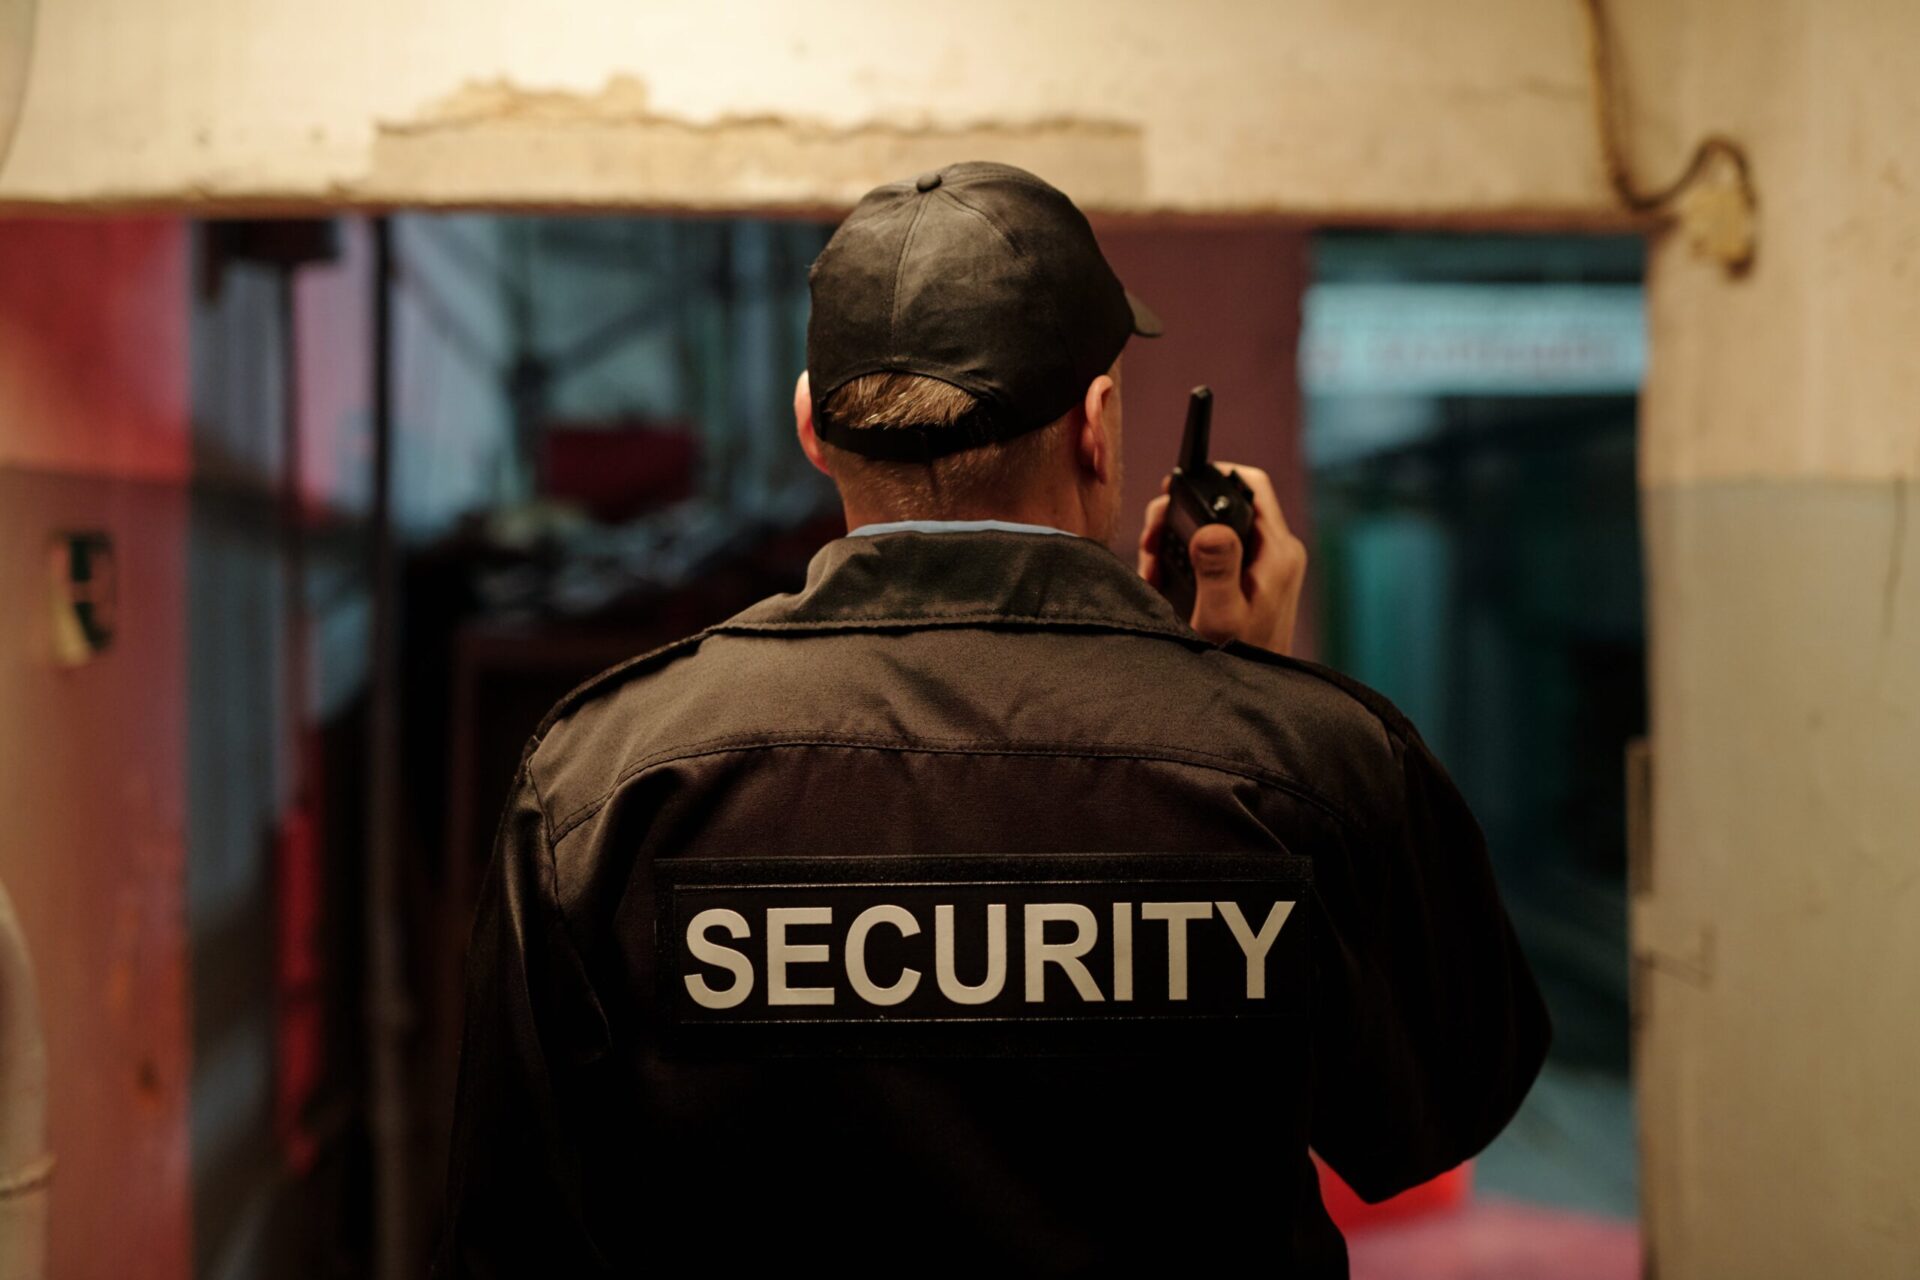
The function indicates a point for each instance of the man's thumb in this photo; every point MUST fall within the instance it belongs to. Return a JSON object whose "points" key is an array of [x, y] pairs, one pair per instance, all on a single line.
{"points": [[1215, 551], [1218, 604]]}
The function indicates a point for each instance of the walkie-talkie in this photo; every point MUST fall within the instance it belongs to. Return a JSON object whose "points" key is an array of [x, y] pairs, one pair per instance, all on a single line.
{"points": [[1200, 494]]}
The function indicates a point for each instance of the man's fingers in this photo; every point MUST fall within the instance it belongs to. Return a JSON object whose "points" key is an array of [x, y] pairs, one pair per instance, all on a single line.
{"points": [[1280, 561], [1156, 517], [1266, 500], [1253, 598], [1219, 606], [1148, 562]]}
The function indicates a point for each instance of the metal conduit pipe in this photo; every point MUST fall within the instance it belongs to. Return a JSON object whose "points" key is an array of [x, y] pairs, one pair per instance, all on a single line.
{"points": [[26, 1166]]}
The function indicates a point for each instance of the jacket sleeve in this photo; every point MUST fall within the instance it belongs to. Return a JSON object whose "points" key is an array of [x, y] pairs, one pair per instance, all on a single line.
{"points": [[1429, 1025], [514, 1204]]}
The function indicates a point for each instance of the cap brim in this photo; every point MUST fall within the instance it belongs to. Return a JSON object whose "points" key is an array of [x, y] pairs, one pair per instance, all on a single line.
{"points": [[1145, 323]]}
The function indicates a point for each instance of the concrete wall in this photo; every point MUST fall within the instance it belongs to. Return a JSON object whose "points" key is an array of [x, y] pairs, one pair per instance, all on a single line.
{"points": [[1779, 963], [93, 432]]}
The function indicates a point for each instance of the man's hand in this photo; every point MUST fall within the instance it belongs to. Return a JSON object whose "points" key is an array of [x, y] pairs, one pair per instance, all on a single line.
{"points": [[1257, 602]]}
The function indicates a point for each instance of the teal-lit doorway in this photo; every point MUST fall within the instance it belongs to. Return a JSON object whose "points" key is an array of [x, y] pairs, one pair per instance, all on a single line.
{"points": [[1470, 407]]}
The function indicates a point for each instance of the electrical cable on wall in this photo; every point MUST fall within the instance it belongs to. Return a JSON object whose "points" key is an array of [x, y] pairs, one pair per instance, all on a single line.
{"points": [[1718, 217]]}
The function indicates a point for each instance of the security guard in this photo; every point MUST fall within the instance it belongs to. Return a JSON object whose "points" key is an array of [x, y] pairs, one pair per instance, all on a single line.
{"points": [[968, 910]]}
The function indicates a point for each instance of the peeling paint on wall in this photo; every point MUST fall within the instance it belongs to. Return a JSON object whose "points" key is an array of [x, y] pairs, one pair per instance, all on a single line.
{"points": [[609, 149]]}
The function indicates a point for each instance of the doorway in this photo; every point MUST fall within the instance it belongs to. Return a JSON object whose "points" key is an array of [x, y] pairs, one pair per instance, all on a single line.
{"points": [[1469, 436]]}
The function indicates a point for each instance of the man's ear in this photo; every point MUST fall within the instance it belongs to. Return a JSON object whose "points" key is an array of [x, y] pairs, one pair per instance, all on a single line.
{"points": [[803, 425], [1093, 442]]}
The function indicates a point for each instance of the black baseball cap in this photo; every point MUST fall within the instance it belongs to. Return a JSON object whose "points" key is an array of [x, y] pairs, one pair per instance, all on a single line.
{"points": [[978, 274]]}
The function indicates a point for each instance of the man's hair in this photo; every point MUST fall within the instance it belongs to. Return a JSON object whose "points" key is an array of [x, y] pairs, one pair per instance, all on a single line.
{"points": [[967, 482]]}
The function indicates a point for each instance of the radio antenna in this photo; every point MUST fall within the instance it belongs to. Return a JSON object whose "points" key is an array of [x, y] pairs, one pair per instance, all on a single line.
{"points": [[1193, 445]]}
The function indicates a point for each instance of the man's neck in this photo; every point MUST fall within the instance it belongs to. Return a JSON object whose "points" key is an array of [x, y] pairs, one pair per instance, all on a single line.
{"points": [[1064, 515]]}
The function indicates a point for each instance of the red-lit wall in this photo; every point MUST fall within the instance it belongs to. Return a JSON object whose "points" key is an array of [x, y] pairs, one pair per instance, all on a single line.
{"points": [[93, 435], [1230, 302]]}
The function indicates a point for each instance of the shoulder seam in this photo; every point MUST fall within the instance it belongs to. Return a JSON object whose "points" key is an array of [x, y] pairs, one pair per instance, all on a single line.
{"points": [[971, 617], [619, 671], [1117, 750], [1375, 703]]}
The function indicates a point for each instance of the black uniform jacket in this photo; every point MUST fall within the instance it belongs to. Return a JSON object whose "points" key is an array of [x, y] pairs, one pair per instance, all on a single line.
{"points": [[676, 1052]]}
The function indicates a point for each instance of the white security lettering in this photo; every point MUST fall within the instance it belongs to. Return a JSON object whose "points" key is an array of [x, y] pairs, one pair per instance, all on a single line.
{"points": [[1123, 951], [726, 957], [781, 953], [1067, 955], [901, 919], [1176, 914], [950, 985], [1256, 948]]}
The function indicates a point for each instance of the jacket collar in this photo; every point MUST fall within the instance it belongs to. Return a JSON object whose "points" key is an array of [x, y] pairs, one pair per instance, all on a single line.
{"points": [[972, 577]]}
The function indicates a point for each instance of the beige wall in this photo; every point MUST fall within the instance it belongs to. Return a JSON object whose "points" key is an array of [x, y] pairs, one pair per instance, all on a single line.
{"points": [[1205, 105], [1781, 428], [1779, 962]]}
